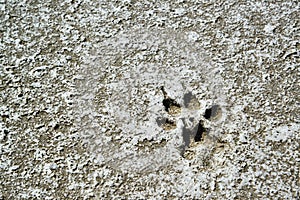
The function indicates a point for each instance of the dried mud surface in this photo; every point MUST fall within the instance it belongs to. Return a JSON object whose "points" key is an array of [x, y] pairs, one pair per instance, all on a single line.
{"points": [[149, 100]]}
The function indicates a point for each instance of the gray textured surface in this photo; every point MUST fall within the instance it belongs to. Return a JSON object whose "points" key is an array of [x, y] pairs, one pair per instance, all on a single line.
{"points": [[80, 99]]}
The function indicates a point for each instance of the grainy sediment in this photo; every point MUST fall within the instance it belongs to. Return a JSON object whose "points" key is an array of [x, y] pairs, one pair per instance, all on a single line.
{"points": [[82, 112]]}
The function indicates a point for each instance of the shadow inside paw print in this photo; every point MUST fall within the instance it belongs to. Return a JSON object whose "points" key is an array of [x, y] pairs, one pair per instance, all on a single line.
{"points": [[171, 106], [212, 112]]}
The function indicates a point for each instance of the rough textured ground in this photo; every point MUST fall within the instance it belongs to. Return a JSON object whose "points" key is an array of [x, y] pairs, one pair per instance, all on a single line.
{"points": [[110, 100]]}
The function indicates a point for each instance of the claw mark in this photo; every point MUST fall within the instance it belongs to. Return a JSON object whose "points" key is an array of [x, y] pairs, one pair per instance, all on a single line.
{"points": [[169, 103]]}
